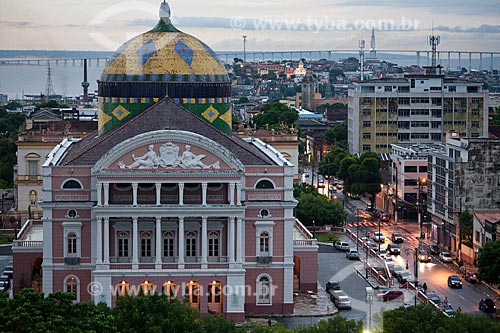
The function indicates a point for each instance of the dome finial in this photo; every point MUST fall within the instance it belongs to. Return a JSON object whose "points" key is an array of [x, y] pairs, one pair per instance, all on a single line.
{"points": [[165, 11]]}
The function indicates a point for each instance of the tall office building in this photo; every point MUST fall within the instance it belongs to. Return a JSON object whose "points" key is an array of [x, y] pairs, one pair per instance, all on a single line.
{"points": [[414, 109]]}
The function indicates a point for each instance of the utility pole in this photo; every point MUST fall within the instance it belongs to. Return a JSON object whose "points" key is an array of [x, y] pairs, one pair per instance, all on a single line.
{"points": [[244, 48]]}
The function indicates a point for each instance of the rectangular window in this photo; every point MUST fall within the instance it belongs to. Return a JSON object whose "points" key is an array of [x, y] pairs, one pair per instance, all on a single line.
{"points": [[410, 168], [367, 112], [478, 236], [366, 147], [367, 135], [213, 247], [71, 244], [190, 247], [122, 247], [32, 169], [146, 247], [168, 247], [475, 124], [367, 123]]}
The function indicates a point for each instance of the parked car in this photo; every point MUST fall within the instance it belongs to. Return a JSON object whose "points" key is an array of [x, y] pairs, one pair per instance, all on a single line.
{"points": [[382, 253], [373, 246], [365, 239], [397, 238], [434, 249], [404, 276], [379, 237], [352, 254], [445, 257], [471, 277], [454, 281], [448, 310], [4, 283], [340, 299], [332, 285], [423, 256], [342, 246], [9, 271], [487, 305], [391, 295], [384, 217], [433, 297], [393, 249]]}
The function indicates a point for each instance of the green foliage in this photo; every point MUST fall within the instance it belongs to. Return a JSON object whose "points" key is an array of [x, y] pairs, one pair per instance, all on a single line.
{"points": [[495, 120], [424, 319], [242, 100], [10, 122], [466, 225], [274, 114], [315, 207], [330, 164], [51, 104], [13, 105], [488, 262], [337, 135], [7, 160]]}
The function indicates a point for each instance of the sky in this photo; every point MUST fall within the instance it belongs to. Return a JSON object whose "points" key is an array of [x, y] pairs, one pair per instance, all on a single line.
{"points": [[271, 25]]}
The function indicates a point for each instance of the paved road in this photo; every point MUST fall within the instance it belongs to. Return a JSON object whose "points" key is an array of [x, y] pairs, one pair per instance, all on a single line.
{"points": [[435, 273]]}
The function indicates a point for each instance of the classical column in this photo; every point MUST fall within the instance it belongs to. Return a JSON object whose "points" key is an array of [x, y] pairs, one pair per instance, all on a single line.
{"points": [[99, 241], [106, 240], [231, 193], [99, 194], [135, 244], [204, 242], [239, 240], [158, 243], [181, 243], [238, 193], [230, 240], [204, 186], [134, 193], [158, 194], [181, 194], [106, 194]]}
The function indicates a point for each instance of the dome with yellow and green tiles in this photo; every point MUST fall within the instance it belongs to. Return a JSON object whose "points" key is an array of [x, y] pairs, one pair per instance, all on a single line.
{"points": [[164, 62]]}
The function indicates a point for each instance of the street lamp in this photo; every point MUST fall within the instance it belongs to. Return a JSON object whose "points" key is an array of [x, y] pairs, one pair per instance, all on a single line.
{"points": [[409, 251], [420, 182], [314, 229]]}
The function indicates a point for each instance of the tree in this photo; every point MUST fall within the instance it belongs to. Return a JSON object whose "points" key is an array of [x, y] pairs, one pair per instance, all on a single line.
{"points": [[7, 160], [496, 118], [330, 164], [465, 219], [337, 135], [488, 262], [315, 207], [274, 114]]}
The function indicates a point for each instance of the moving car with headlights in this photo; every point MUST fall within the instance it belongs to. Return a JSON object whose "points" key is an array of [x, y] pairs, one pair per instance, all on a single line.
{"points": [[423, 256], [487, 305], [397, 238], [454, 281], [393, 249], [378, 237]]}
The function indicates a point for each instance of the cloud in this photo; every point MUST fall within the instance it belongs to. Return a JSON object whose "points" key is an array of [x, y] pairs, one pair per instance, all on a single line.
{"points": [[484, 28], [462, 7]]}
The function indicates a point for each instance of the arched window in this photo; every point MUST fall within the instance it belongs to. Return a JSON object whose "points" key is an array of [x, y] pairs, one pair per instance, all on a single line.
{"points": [[72, 246], [264, 290], [190, 244], [170, 289], [123, 241], [146, 243], [147, 288], [33, 198], [264, 243], [72, 184], [122, 288], [264, 184], [72, 285], [213, 244]]}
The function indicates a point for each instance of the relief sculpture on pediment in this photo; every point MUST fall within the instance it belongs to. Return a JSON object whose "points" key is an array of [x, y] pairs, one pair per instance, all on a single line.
{"points": [[168, 159]]}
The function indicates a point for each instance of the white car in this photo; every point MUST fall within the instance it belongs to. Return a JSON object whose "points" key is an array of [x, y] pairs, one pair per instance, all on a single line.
{"points": [[445, 257], [378, 237], [340, 299]]}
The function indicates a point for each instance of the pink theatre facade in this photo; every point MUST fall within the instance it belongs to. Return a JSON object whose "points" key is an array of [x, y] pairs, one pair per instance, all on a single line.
{"points": [[173, 211]]}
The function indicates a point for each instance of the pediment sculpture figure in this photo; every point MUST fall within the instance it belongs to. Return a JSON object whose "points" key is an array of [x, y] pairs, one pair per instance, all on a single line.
{"points": [[147, 161]]}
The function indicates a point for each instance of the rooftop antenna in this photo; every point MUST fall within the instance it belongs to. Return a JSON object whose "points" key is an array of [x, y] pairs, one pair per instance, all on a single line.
{"points": [[373, 49], [362, 57], [49, 88], [434, 42]]}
